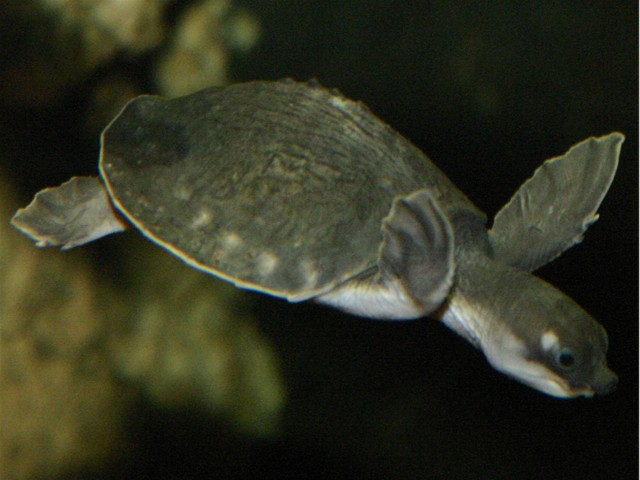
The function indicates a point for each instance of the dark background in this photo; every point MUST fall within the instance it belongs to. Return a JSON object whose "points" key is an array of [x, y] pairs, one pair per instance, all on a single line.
{"points": [[488, 90]]}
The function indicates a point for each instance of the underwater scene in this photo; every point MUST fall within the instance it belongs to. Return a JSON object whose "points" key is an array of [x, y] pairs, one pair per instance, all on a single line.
{"points": [[310, 278]]}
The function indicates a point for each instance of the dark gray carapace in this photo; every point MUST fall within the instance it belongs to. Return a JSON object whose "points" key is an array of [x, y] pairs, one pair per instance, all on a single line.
{"points": [[293, 190]]}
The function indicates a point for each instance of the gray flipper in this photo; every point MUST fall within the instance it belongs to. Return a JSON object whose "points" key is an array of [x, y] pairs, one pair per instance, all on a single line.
{"points": [[74, 213], [415, 267], [418, 250], [551, 211]]}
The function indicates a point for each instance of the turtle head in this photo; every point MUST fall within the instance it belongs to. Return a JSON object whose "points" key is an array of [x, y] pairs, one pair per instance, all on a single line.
{"points": [[544, 339]]}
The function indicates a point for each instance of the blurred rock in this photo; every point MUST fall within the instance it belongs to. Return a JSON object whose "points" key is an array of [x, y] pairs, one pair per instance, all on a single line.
{"points": [[48, 45], [107, 99], [179, 338], [60, 408], [164, 330], [198, 54], [191, 344]]}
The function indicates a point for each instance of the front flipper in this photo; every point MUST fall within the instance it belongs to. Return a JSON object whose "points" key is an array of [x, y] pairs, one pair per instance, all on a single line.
{"points": [[552, 210], [415, 266], [74, 213]]}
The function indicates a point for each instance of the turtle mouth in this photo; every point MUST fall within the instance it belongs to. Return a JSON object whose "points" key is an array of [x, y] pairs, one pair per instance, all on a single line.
{"points": [[560, 388], [537, 376], [544, 380], [547, 382]]}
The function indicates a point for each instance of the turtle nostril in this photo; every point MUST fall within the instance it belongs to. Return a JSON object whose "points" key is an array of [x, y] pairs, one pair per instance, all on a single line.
{"points": [[606, 385], [611, 386]]}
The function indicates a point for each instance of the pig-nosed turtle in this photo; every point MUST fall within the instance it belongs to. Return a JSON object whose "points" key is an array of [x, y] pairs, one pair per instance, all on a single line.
{"points": [[294, 190]]}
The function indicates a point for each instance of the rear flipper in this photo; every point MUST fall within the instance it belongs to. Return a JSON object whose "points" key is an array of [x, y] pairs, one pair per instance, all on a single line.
{"points": [[415, 266], [74, 213]]}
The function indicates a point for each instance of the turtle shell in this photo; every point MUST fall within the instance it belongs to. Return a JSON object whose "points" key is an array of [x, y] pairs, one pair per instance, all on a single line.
{"points": [[277, 186]]}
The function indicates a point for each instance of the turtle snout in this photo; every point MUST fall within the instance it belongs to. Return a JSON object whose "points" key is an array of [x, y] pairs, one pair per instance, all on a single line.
{"points": [[605, 382]]}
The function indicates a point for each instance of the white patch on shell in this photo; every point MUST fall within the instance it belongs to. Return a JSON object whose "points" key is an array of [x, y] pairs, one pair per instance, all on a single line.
{"points": [[183, 192], [549, 340], [266, 263], [202, 218], [310, 273], [231, 241], [339, 102], [228, 246]]}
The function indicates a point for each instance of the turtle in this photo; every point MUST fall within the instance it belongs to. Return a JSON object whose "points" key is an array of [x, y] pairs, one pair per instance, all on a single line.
{"points": [[294, 190]]}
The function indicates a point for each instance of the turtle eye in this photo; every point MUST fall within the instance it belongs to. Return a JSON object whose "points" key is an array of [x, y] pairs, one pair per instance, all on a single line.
{"points": [[566, 359]]}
